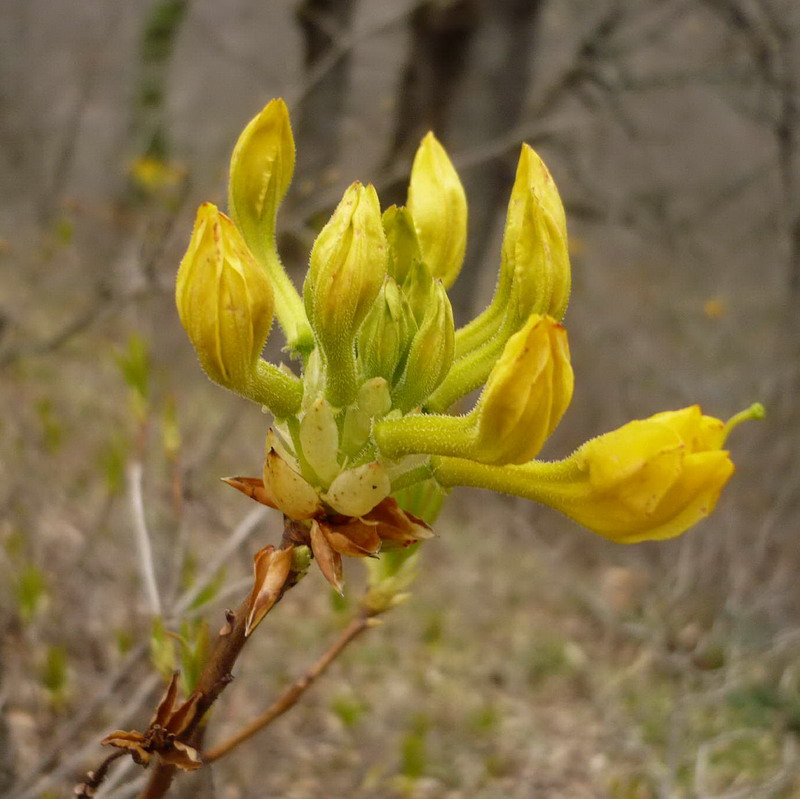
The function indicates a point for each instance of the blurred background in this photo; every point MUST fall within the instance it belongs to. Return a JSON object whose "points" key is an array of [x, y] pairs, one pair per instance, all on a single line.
{"points": [[533, 660]]}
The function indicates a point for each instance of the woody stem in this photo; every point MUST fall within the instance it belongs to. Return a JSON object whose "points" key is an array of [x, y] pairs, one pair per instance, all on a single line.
{"points": [[293, 693], [94, 779], [215, 676]]}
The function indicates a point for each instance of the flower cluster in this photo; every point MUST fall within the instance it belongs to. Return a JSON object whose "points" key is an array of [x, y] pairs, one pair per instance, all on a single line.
{"points": [[364, 442]]}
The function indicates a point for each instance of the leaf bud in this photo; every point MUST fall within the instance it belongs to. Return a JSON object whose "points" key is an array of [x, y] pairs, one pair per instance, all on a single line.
{"points": [[357, 491], [418, 290], [430, 355], [319, 439], [385, 336]]}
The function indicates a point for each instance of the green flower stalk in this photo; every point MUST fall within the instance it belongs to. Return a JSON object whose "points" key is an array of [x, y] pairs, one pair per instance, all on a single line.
{"points": [[364, 446]]}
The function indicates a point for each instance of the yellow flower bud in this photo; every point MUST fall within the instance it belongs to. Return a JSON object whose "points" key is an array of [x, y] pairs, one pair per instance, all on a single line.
{"points": [[526, 394], [260, 173], [401, 237], [438, 206], [347, 269], [430, 355], [534, 256], [385, 336], [534, 274], [224, 301]]}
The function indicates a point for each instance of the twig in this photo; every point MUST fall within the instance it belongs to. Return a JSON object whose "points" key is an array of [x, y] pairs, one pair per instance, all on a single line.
{"points": [[67, 735], [240, 534], [71, 764], [94, 779], [290, 696], [146, 565]]}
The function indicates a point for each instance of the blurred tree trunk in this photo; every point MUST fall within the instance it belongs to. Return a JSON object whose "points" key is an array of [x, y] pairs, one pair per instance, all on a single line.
{"points": [[150, 134], [490, 103], [324, 25], [466, 78], [6, 750], [440, 36]]}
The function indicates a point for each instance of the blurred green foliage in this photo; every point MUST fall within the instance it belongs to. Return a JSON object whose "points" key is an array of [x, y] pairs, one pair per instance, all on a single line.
{"points": [[53, 673], [30, 589], [413, 748]]}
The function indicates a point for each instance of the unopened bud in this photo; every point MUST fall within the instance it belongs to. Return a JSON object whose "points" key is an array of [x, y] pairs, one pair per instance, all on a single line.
{"points": [[224, 300], [401, 237], [261, 170], [431, 354], [525, 396], [534, 257], [438, 204], [385, 336], [418, 290], [347, 270]]}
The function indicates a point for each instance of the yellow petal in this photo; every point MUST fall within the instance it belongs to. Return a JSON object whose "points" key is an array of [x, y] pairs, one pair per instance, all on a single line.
{"points": [[526, 394]]}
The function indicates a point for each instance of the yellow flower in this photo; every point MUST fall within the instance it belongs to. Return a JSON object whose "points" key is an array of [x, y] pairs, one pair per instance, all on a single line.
{"points": [[650, 479], [525, 397]]}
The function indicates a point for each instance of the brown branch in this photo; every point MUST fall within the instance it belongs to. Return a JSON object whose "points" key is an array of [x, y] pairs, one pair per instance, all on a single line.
{"points": [[215, 676], [94, 779], [293, 692]]}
